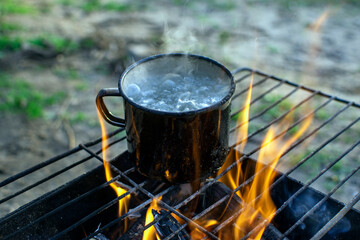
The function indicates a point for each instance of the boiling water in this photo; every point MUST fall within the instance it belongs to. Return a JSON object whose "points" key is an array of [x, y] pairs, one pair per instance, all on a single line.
{"points": [[176, 93]]}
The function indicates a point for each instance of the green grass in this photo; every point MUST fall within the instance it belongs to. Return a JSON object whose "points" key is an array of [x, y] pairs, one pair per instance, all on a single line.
{"points": [[78, 117], [67, 73], [221, 5], [96, 5], [81, 85], [224, 37], [89, 6], [289, 3], [9, 27], [237, 116], [87, 43], [119, 7], [294, 130], [10, 43], [179, 2], [321, 159], [272, 49], [322, 114], [68, 3], [15, 7], [19, 96], [59, 43], [274, 112]]}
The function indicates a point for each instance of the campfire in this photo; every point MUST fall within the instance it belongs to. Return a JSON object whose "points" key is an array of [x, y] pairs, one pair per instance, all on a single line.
{"points": [[277, 128]]}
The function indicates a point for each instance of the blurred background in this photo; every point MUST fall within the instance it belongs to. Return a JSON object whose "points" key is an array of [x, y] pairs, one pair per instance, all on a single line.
{"points": [[55, 55]]}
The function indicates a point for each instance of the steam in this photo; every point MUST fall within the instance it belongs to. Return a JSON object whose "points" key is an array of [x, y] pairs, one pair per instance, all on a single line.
{"points": [[180, 39]]}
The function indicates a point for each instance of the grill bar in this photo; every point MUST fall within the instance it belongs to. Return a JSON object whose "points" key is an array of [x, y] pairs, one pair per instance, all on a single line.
{"points": [[307, 184], [290, 171], [337, 218], [249, 180], [251, 153], [54, 159], [239, 80], [258, 98], [37, 167], [241, 75], [248, 88], [264, 111], [93, 214], [203, 213], [257, 83], [297, 85], [56, 210], [151, 196], [273, 121], [81, 197], [313, 209], [331, 118], [131, 211]]}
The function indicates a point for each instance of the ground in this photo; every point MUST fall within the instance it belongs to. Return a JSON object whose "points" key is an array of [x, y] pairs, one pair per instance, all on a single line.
{"points": [[56, 55]]}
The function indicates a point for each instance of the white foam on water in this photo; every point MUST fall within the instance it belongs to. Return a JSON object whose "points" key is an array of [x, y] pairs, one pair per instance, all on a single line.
{"points": [[176, 93]]}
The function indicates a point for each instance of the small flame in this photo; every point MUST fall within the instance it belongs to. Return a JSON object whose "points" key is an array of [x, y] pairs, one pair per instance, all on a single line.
{"points": [[241, 137], [150, 233], [270, 153], [207, 224], [245, 118], [123, 202], [315, 46], [257, 202], [316, 26]]}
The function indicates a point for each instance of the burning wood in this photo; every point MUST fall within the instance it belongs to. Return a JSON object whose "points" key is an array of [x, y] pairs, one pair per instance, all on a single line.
{"points": [[99, 236], [167, 225], [213, 207]]}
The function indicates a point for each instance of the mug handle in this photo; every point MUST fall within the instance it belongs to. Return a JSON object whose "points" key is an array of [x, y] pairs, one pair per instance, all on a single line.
{"points": [[105, 113]]}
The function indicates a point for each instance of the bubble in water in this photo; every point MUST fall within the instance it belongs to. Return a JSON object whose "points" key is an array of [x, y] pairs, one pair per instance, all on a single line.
{"points": [[184, 96], [133, 91], [176, 78], [176, 93], [169, 84]]}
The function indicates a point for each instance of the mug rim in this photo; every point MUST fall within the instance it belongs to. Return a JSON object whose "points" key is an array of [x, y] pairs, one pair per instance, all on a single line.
{"points": [[216, 105]]}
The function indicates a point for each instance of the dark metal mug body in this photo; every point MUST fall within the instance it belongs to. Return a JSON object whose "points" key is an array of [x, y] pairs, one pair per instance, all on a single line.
{"points": [[176, 147]]}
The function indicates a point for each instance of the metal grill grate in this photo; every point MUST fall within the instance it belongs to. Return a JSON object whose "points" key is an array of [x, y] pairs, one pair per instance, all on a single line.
{"points": [[326, 158]]}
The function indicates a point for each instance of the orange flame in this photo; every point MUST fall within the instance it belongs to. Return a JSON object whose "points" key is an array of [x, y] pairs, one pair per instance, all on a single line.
{"points": [[207, 224], [150, 233], [270, 153], [243, 132], [316, 25], [257, 202], [314, 48], [233, 177], [123, 202]]}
